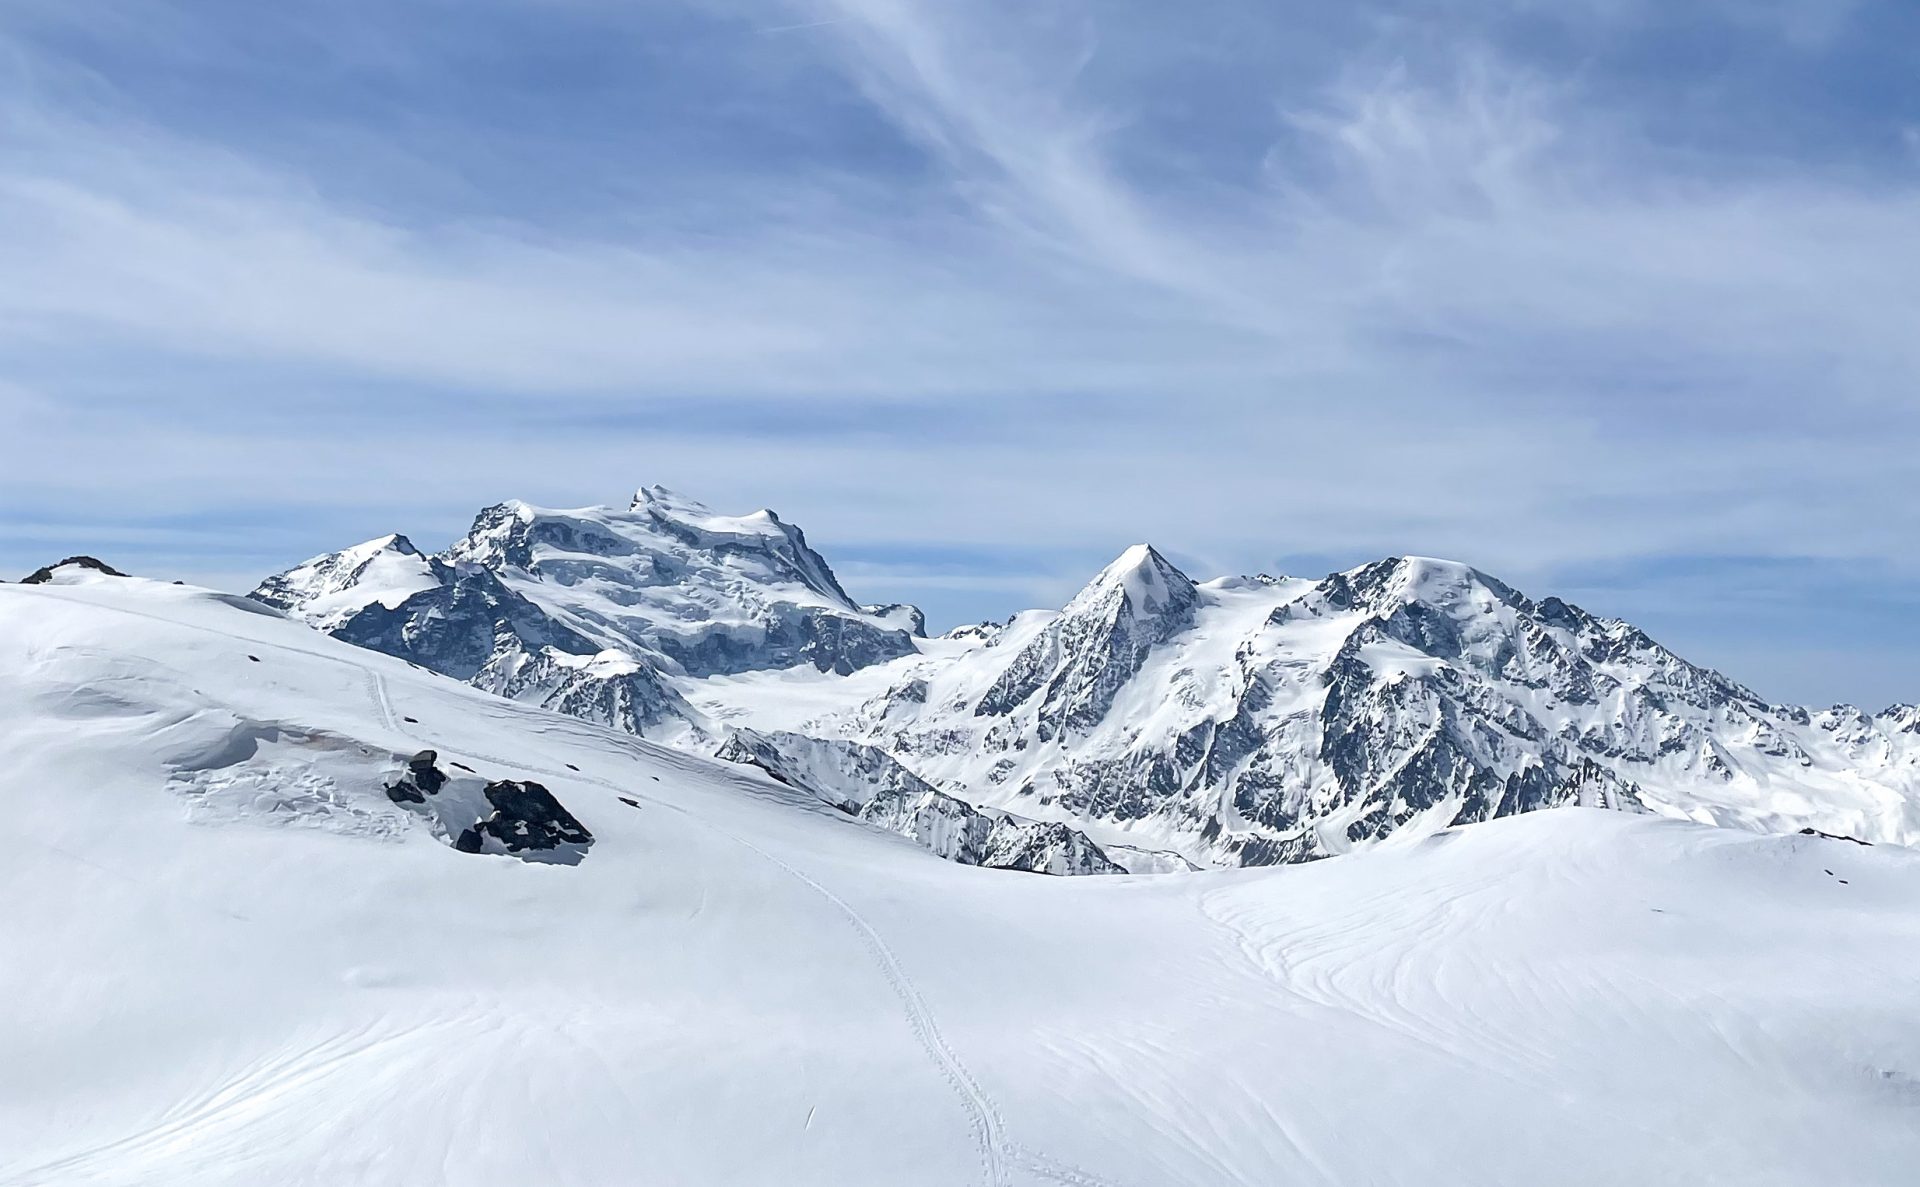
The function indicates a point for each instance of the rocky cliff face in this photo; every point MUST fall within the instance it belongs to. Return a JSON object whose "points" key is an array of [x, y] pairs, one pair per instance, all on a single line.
{"points": [[866, 782]]}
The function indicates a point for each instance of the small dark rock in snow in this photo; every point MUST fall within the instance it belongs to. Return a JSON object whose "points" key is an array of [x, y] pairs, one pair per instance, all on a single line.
{"points": [[428, 777], [421, 780], [526, 816], [1814, 832]]}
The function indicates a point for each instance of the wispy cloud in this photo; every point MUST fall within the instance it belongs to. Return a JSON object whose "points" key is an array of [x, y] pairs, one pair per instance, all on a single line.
{"points": [[1052, 277]]}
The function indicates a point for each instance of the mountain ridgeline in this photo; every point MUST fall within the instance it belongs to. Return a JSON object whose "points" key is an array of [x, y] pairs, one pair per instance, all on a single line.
{"points": [[1152, 723]]}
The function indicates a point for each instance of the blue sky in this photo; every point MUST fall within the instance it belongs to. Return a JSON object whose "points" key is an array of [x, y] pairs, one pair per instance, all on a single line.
{"points": [[1615, 299]]}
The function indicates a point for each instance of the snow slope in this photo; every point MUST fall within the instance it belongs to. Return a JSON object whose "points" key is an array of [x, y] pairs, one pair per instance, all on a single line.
{"points": [[232, 959]]}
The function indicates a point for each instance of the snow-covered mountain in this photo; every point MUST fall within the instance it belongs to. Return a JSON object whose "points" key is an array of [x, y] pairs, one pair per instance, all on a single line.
{"points": [[283, 910], [1239, 721], [604, 615], [593, 612], [1258, 720]]}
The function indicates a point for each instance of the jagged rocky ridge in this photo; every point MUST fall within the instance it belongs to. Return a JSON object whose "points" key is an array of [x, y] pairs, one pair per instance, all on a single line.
{"points": [[865, 782], [1262, 720], [1238, 721]]}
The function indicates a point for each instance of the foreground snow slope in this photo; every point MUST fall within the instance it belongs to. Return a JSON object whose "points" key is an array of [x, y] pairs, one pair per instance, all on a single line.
{"points": [[231, 959]]}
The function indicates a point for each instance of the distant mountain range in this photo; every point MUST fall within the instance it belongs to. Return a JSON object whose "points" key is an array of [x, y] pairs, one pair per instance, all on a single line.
{"points": [[1152, 723]]}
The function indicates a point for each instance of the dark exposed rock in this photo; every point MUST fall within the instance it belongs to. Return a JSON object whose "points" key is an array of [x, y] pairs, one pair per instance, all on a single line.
{"points": [[1814, 832], [911, 618], [522, 816], [962, 833], [421, 780], [526, 816], [455, 629]]}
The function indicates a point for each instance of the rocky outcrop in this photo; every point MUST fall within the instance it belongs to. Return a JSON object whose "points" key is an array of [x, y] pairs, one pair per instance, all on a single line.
{"points": [[525, 818], [866, 782], [960, 832], [45, 573], [845, 774], [476, 815]]}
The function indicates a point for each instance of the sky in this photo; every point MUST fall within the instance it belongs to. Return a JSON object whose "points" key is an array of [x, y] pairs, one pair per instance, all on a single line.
{"points": [[1614, 299]]}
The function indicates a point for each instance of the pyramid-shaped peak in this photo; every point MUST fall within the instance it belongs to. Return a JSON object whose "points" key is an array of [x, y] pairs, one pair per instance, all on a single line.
{"points": [[1149, 581]]}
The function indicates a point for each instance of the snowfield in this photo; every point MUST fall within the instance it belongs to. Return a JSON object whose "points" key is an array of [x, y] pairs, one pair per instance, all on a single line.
{"points": [[232, 958]]}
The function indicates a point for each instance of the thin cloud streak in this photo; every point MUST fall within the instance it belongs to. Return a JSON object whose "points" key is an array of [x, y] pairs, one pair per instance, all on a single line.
{"points": [[1445, 300]]}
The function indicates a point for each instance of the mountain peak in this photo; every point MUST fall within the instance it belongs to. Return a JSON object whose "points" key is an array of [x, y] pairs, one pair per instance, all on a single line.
{"points": [[1399, 580], [392, 542], [1083, 658], [665, 578], [660, 498], [71, 565], [1149, 581]]}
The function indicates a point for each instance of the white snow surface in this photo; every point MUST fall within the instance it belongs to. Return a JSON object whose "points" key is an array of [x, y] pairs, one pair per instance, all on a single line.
{"points": [[231, 960]]}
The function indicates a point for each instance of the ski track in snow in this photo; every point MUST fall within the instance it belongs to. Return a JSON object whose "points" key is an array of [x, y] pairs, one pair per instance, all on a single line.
{"points": [[254, 1090], [986, 1122], [374, 683], [1440, 995]]}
